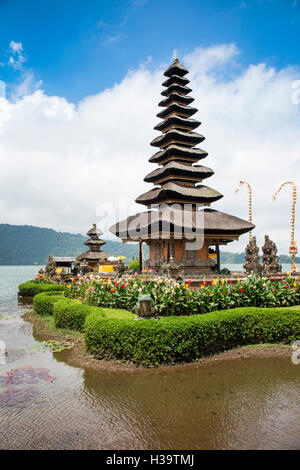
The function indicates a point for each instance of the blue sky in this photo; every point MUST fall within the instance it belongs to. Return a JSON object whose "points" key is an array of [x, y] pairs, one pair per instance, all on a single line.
{"points": [[80, 47]]}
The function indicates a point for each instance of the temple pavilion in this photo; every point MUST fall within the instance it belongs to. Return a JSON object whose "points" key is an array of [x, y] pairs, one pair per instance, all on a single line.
{"points": [[94, 256], [180, 225]]}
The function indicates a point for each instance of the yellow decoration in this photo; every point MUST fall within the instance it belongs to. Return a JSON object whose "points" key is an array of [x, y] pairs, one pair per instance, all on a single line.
{"points": [[293, 246], [250, 202], [106, 268]]}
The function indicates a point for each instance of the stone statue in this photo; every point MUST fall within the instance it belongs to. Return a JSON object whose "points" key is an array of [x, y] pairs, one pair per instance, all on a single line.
{"points": [[252, 264], [172, 270], [120, 269], [50, 269], [270, 259]]}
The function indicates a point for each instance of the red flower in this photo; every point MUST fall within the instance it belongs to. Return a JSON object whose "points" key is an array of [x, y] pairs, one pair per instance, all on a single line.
{"points": [[230, 282], [123, 285], [208, 293], [275, 290], [242, 290], [112, 290], [116, 284], [189, 282], [287, 286], [281, 275]]}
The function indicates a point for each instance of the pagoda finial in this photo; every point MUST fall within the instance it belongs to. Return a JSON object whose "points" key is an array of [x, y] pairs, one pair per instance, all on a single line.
{"points": [[176, 61]]}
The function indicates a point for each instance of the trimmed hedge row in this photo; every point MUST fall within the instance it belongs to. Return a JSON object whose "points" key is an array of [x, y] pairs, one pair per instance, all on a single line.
{"points": [[43, 303], [30, 289], [71, 314], [188, 338]]}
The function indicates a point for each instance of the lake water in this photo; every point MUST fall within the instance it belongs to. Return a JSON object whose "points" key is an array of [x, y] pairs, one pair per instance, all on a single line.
{"points": [[235, 404]]}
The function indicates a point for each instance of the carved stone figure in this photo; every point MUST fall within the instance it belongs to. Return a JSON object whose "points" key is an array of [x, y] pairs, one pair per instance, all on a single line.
{"points": [[145, 307], [172, 270], [252, 264], [270, 259], [120, 269]]}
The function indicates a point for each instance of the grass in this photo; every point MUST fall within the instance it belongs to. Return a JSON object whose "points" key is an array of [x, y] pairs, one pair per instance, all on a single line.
{"points": [[118, 314]]}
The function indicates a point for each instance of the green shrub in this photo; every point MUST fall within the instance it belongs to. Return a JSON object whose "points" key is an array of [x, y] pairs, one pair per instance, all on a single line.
{"points": [[188, 338], [71, 314], [43, 303], [134, 265], [30, 289]]}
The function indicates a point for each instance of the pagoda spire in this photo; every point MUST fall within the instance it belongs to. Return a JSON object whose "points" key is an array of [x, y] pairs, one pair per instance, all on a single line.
{"points": [[177, 177]]}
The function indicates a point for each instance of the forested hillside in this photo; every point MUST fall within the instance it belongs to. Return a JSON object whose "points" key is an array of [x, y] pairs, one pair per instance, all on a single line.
{"points": [[26, 245]]}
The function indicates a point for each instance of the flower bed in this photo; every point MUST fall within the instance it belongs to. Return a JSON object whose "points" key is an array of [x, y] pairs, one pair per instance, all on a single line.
{"points": [[174, 298]]}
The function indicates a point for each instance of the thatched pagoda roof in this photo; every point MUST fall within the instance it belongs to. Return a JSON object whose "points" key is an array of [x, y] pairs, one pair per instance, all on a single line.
{"points": [[175, 170], [94, 232], [176, 88], [179, 153], [153, 224], [93, 256], [176, 69], [176, 179], [177, 109], [175, 79], [94, 242], [177, 122], [176, 98], [172, 192], [175, 136]]}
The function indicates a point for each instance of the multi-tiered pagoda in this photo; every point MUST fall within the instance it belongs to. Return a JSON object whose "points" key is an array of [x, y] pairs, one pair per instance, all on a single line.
{"points": [[175, 221], [94, 256]]}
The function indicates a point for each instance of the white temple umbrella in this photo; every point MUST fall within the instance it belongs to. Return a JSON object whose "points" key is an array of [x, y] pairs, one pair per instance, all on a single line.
{"points": [[112, 258]]}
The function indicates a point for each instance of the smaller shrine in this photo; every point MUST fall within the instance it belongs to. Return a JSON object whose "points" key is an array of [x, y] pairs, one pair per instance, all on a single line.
{"points": [[252, 264], [94, 256], [270, 259]]}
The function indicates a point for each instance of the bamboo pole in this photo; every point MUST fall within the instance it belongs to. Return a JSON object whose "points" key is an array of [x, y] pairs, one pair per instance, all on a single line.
{"points": [[249, 202]]}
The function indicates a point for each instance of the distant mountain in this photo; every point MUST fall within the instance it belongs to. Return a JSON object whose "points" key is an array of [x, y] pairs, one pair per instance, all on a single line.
{"points": [[27, 245]]}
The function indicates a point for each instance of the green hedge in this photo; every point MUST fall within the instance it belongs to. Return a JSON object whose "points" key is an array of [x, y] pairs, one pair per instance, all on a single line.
{"points": [[71, 314], [30, 289], [188, 338], [43, 303]]}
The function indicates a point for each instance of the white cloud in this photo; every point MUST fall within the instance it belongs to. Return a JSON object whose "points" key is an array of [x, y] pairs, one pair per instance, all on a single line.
{"points": [[61, 163], [17, 59], [26, 86]]}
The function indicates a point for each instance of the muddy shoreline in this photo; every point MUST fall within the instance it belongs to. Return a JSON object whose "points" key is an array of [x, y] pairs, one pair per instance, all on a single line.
{"points": [[79, 357]]}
